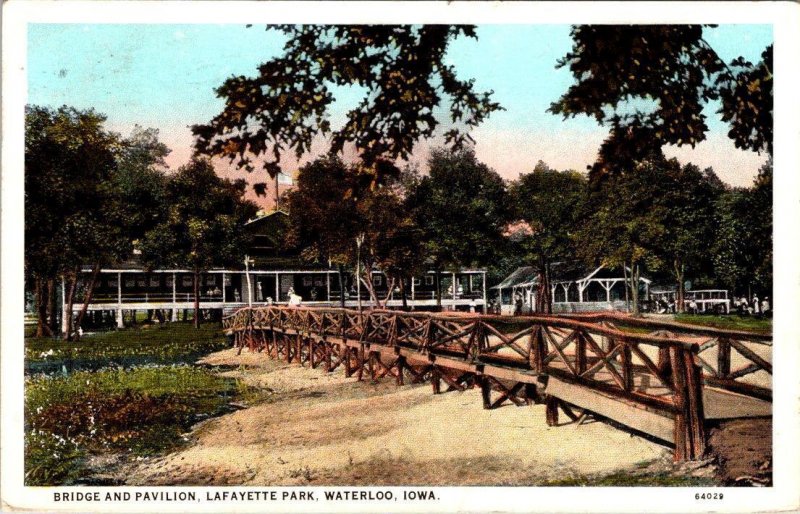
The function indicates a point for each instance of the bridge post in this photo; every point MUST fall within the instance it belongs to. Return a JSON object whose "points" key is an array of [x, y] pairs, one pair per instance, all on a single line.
{"points": [[537, 350], [723, 357], [690, 436], [551, 410], [486, 391]]}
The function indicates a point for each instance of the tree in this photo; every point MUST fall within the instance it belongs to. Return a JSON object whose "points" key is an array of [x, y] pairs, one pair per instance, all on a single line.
{"points": [[742, 252], [287, 105], [203, 226], [649, 84], [549, 203], [69, 162], [323, 220], [687, 196], [335, 205], [462, 208], [624, 226]]}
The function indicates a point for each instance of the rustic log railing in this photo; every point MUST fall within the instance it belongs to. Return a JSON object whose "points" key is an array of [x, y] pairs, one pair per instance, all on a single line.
{"points": [[657, 367]]}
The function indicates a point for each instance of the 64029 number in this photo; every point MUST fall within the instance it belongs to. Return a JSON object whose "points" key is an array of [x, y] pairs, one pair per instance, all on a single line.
{"points": [[708, 496]]}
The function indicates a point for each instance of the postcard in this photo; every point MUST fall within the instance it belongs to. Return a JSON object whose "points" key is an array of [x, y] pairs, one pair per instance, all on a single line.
{"points": [[399, 257]]}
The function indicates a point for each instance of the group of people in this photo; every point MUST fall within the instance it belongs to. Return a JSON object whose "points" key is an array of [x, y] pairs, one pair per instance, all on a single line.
{"points": [[753, 307]]}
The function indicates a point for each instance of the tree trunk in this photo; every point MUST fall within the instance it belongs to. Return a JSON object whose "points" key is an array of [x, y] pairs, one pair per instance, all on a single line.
{"points": [[42, 328], [73, 284], [403, 294], [680, 302], [544, 297], [635, 289], [87, 297], [627, 285], [341, 286], [52, 313], [369, 285], [196, 299], [390, 285]]}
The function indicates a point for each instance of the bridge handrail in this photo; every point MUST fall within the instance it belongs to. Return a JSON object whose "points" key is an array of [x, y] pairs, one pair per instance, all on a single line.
{"points": [[555, 321], [674, 326]]}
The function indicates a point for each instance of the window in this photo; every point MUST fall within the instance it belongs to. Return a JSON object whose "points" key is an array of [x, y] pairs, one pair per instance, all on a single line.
{"points": [[141, 282], [377, 280], [211, 280], [186, 281], [112, 282], [319, 282], [129, 282], [429, 280], [307, 281], [154, 282], [169, 281], [417, 281]]}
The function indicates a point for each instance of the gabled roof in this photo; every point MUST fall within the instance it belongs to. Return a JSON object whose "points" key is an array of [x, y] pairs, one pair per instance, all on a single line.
{"points": [[566, 271], [520, 276]]}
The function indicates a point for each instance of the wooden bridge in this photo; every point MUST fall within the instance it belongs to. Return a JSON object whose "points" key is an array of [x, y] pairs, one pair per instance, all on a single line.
{"points": [[666, 380]]}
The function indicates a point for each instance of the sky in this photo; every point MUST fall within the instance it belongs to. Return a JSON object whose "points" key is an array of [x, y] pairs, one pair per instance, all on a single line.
{"points": [[164, 76]]}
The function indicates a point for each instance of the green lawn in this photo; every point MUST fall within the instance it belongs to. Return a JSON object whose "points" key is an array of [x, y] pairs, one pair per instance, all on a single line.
{"points": [[133, 392], [144, 344], [728, 322]]}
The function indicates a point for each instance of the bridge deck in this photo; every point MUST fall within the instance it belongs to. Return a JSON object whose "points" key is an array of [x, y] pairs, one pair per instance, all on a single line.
{"points": [[666, 381], [719, 403]]}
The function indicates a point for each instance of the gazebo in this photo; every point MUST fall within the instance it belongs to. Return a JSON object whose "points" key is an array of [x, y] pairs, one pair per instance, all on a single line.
{"points": [[574, 288]]}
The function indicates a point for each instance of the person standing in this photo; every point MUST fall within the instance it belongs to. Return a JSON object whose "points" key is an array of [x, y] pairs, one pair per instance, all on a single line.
{"points": [[756, 305]]}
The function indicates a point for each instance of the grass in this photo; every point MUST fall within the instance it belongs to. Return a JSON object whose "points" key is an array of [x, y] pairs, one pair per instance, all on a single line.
{"points": [[728, 322], [625, 479], [145, 344], [138, 411], [133, 393]]}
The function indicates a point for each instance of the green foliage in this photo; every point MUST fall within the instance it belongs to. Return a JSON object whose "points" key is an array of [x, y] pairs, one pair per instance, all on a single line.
{"points": [[747, 102], [550, 204], [649, 84], [461, 207], [728, 322], [286, 106], [742, 253], [51, 459], [324, 219], [69, 161], [203, 224], [139, 411], [157, 344], [138, 185]]}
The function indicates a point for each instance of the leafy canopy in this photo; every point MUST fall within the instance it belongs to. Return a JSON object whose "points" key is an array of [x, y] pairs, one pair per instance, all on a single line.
{"points": [[203, 225], [649, 84], [287, 105], [69, 163], [461, 207]]}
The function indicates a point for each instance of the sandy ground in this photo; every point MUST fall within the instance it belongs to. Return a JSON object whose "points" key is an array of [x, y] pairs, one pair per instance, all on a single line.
{"points": [[318, 428]]}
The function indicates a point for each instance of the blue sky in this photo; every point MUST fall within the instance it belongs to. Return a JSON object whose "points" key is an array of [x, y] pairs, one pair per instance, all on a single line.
{"points": [[164, 76]]}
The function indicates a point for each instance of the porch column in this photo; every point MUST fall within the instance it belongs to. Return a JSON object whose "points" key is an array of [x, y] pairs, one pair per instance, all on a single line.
{"points": [[485, 296], [223, 287], [328, 278], [174, 297], [120, 322], [277, 287], [412, 289], [455, 288], [64, 313]]}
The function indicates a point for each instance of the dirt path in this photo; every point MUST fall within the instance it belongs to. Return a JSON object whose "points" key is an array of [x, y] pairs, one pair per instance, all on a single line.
{"points": [[323, 428]]}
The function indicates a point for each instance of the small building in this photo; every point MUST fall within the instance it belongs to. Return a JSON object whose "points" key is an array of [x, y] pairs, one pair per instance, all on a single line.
{"points": [[574, 288]]}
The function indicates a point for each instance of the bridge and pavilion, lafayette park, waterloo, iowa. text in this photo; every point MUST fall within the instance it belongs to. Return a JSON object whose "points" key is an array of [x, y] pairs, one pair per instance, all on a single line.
{"points": [[360, 256]]}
